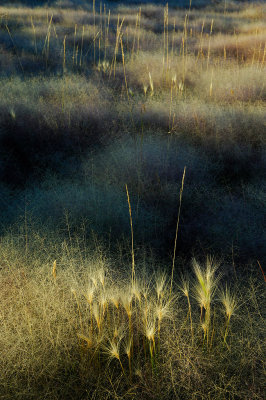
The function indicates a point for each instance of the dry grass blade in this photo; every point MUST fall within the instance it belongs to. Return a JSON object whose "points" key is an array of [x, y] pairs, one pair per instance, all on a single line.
{"points": [[132, 237], [177, 227]]}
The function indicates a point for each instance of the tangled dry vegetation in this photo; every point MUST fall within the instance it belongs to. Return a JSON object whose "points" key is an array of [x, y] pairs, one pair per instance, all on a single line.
{"points": [[79, 328], [96, 98]]}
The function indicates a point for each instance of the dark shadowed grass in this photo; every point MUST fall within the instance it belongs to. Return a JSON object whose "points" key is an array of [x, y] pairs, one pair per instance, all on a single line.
{"points": [[91, 188]]}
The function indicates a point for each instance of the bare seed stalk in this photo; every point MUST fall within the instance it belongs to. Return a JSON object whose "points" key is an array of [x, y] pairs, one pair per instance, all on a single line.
{"points": [[177, 226], [139, 30], [173, 39], [209, 46], [11, 38], [167, 39], [135, 34], [124, 67], [81, 48], [201, 41], [164, 39], [64, 54], [107, 32], [94, 29], [74, 45], [264, 276], [132, 238], [34, 34]]}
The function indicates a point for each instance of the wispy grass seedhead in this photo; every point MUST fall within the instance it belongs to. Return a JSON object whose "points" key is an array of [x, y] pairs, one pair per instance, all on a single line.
{"points": [[103, 301], [230, 305], [112, 350], [94, 281], [101, 276], [145, 289], [136, 290], [205, 287], [206, 283], [161, 284], [145, 88], [162, 312], [185, 289], [96, 314], [114, 298], [88, 340], [151, 84], [229, 302], [129, 351], [90, 293], [126, 300], [150, 329]]}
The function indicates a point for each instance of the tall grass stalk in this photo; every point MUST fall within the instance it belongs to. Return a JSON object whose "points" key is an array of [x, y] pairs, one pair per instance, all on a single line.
{"points": [[230, 304], [205, 288], [124, 66], [173, 83], [132, 239], [176, 232], [139, 30], [209, 45], [76, 55], [135, 34], [105, 29], [64, 54], [117, 41], [200, 53], [47, 39], [34, 34], [14, 46], [94, 31], [167, 39], [74, 44], [173, 41], [107, 34], [264, 276], [101, 20], [185, 289], [151, 84], [184, 48], [81, 48]]}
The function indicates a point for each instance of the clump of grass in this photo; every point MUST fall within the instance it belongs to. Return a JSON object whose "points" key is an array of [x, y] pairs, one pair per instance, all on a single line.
{"points": [[230, 305], [73, 81], [76, 318], [205, 287]]}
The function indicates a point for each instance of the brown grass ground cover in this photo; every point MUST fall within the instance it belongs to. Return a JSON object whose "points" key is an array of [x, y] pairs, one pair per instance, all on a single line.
{"points": [[97, 96]]}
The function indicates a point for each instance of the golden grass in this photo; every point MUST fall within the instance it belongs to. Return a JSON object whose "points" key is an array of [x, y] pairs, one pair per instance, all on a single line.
{"points": [[71, 326]]}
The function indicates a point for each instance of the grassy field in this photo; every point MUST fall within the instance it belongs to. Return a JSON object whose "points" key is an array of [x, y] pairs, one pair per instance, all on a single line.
{"points": [[132, 199]]}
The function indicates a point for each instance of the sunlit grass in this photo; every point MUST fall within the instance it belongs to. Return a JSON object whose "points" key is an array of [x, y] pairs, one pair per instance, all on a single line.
{"points": [[89, 323], [101, 114]]}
